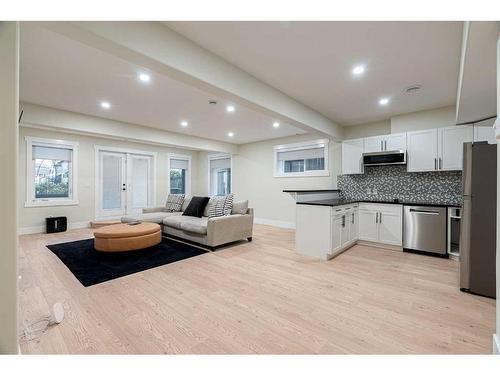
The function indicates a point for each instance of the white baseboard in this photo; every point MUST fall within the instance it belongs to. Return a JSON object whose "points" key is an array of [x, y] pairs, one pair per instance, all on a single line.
{"points": [[41, 228], [496, 344], [275, 223]]}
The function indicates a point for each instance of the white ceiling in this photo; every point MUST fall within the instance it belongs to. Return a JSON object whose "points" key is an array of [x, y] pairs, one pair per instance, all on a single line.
{"points": [[312, 62], [61, 73]]}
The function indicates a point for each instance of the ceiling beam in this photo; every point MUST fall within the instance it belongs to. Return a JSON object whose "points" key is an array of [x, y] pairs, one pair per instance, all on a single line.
{"points": [[38, 116], [154, 46]]}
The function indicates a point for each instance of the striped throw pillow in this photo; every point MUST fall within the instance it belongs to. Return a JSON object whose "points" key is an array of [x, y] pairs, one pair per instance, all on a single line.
{"points": [[216, 206], [228, 204]]}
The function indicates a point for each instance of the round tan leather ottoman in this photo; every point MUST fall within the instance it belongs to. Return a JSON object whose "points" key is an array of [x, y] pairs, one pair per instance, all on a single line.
{"points": [[124, 237]]}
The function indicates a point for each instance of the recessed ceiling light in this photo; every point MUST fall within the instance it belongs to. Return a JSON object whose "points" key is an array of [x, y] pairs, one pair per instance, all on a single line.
{"points": [[358, 70], [230, 134], [383, 101], [276, 124], [143, 77], [230, 108], [184, 123], [106, 105]]}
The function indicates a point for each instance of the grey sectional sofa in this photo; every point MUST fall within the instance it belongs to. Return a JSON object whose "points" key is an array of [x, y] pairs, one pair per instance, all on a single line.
{"points": [[209, 232]]}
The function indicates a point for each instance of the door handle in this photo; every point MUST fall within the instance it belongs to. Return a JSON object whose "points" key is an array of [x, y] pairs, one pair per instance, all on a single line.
{"points": [[423, 212]]}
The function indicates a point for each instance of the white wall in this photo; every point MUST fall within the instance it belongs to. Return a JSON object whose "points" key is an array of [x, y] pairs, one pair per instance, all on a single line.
{"points": [[434, 118], [9, 99], [253, 179], [367, 130], [32, 219], [429, 119]]}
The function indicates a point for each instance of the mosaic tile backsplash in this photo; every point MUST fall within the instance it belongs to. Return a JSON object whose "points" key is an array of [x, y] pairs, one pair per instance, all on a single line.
{"points": [[393, 181]]}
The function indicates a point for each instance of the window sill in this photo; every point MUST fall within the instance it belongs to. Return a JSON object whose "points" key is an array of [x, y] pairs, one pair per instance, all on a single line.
{"points": [[51, 203], [303, 174]]}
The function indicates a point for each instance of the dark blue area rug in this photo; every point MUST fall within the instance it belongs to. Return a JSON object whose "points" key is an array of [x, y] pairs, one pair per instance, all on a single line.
{"points": [[93, 267]]}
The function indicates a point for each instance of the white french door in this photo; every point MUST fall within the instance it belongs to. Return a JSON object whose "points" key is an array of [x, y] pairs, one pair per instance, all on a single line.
{"points": [[125, 183]]}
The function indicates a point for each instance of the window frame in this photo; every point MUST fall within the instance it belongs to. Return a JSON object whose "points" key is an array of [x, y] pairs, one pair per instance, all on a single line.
{"points": [[218, 157], [31, 201], [318, 143], [187, 158]]}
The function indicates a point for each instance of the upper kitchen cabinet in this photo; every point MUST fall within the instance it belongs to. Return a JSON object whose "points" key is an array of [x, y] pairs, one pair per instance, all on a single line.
{"points": [[374, 144], [422, 150], [390, 142], [437, 149], [395, 142], [451, 146], [352, 156], [484, 134]]}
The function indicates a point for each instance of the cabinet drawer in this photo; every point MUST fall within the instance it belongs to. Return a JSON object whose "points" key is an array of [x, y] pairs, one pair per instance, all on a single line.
{"points": [[388, 208]]}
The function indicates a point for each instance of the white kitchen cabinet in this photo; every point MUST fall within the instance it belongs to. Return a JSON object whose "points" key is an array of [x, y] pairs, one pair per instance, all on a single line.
{"points": [[353, 217], [368, 225], [422, 150], [374, 144], [390, 227], [484, 134], [336, 235], [395, 142], [451, 146], [389, 142], [437, 149], [352, 156], [323, 231], [382, 223]]}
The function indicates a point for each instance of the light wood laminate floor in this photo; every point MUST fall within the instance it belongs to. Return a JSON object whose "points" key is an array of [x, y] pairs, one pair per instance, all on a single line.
{"points": [[258, 297]]}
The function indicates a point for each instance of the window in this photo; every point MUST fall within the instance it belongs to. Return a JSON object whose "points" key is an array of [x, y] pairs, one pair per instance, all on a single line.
{"points": [[180, 174], [219, 167], [301, 159], [51, 167]]}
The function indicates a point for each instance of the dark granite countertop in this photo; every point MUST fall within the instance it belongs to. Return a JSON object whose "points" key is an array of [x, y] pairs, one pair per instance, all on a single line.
{"points": [[308, 190], [341, 202]]}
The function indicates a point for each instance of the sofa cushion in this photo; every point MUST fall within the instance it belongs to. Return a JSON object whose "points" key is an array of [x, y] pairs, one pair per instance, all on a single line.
{"points": [[240, 207], [196, 206], [187, 200], [196, 225], [153, 217], [228, 204], [174, 202], [176, 221]]}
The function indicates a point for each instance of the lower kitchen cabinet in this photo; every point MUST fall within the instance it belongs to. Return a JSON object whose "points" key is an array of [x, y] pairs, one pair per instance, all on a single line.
{"points": [[324, 232], [382, 223]]}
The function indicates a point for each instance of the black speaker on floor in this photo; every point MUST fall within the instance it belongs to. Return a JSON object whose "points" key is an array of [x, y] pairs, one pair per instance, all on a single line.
{"points": [[56, 224]]}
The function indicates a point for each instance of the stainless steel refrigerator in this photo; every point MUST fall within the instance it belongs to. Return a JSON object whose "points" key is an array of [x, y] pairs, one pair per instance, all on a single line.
{"points": [[478, 229]]}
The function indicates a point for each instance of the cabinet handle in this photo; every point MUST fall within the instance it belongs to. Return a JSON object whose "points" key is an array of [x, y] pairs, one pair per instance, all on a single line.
{"points": [[435, 163], [380, 218], [385, 145], [376, 218], [343, 220], [352, 218], [440, 163]]}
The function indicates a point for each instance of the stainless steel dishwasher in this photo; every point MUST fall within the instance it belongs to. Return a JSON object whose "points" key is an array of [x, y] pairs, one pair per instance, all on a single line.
{"points": [[424, 229]]}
